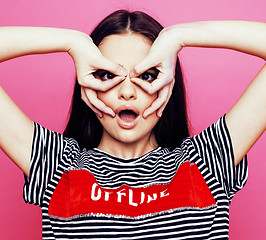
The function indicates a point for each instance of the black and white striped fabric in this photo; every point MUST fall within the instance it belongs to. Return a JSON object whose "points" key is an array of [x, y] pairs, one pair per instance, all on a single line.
{"points": [[211, 151]]}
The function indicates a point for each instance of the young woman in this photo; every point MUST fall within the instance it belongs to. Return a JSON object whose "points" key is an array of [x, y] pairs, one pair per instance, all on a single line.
{"points": [[126, 167]]}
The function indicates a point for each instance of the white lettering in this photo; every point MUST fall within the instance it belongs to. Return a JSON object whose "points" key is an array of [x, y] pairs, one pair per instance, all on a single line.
{"points": [[163, 194], [142, 198], [99, 194], [131, 199], [152, 198], [120, 194], [106, 196]]}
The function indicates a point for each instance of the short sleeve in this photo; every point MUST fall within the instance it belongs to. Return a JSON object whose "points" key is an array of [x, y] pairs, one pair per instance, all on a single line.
{"points": [[215, 148], [47, 147]]}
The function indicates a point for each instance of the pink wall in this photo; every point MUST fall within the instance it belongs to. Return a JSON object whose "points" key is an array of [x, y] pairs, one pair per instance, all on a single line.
{"points": [[41, 86]]}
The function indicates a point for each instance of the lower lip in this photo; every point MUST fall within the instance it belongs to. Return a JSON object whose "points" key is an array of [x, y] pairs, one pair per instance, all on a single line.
{"points": [[127, 125]]}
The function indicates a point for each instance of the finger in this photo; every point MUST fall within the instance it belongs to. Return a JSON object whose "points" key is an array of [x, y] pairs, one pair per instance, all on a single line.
{"points": [[159, 101], [148, 62], [146, 86], [104, 63], [84, 97], [93, 83], [161, 109], [156, 85], [97, 103]]}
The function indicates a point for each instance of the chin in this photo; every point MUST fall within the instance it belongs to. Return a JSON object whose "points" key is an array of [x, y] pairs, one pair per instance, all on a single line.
{"points": [[141, 132], [130, 137]]}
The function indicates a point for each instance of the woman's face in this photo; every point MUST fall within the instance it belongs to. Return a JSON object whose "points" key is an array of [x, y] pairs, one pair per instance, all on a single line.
{"points": [[126, 99]]}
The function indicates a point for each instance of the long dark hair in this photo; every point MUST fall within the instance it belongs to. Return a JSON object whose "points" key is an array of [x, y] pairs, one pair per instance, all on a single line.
{"points": [[171, 128]]}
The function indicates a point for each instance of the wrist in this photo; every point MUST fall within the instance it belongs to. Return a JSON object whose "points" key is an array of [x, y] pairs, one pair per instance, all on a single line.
{"points": [[194, 34], [77, 42]]}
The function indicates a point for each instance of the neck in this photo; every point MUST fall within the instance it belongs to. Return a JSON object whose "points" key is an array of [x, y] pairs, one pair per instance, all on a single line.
{"points": [[127, 150]]}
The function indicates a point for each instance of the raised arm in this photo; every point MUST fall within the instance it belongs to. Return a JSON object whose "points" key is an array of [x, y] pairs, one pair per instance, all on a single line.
{"points": [[246, 120], [19, 41], [243, 36], [16, 129]]}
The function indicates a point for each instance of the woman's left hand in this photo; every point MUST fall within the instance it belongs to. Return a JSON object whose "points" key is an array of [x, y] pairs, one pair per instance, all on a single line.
{"points": [[162, 56]]}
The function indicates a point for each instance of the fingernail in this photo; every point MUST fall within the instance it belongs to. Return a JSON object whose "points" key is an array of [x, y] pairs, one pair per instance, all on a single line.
{"points": [[145, 114], [99, 115], [160, 114], [120, 78], [123, 72], [132, 73], [111, 113]]}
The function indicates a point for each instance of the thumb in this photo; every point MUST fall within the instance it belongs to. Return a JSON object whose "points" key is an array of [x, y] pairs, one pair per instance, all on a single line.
{"points": [[112, 67], [147, 63]]}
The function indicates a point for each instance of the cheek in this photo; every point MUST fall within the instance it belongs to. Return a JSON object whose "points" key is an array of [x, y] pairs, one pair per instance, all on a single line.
{"points": [[150, 98], [107, 97], [146, 100], [111, 98]]}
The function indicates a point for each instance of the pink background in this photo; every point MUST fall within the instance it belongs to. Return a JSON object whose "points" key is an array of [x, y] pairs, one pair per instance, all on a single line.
{"points": [[42, 87]]}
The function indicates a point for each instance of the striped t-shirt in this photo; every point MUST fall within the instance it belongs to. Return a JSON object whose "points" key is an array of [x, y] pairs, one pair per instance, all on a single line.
{"points": [[180, 194]]}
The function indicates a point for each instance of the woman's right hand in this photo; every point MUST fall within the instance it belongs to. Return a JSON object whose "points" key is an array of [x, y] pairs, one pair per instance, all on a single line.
{"points": [[16, 129], [19, 41], [88, 59]]}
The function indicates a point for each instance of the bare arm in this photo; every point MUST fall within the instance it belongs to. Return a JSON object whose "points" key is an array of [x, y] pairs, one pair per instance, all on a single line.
{"points": [[19, 41], [16, 129], [243, 36], [246, 120]]}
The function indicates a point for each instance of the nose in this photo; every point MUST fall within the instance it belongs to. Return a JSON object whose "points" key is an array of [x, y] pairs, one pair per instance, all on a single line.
{"points": [[127, 90]]}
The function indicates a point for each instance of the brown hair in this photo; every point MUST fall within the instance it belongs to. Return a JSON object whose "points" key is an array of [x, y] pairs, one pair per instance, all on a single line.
{"points": [[171, 128]]}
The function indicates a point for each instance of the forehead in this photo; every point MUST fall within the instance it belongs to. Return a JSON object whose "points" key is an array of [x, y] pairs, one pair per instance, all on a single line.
{"points": [[125, 49]]}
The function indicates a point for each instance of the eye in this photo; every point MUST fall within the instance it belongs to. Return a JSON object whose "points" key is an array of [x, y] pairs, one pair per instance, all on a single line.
{"points": [[149, 75], [104, 75]]}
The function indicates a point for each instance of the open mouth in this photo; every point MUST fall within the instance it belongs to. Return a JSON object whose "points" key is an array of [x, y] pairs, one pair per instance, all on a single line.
{"points": [[127, 116]]}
